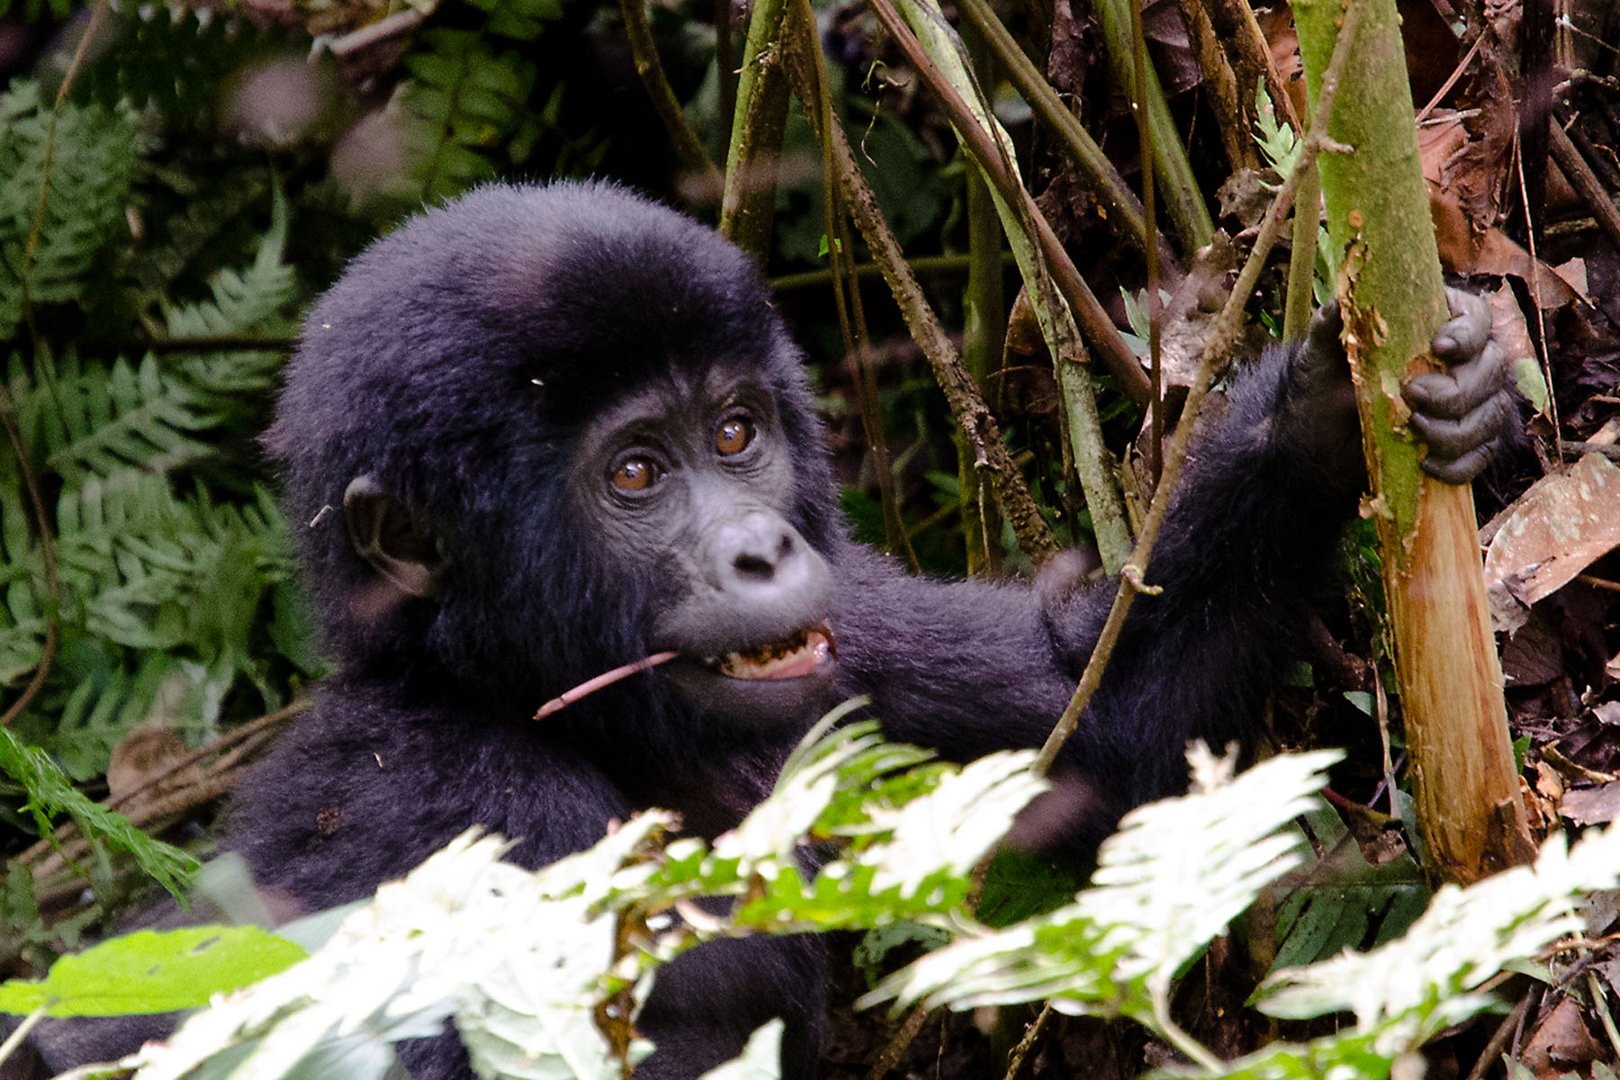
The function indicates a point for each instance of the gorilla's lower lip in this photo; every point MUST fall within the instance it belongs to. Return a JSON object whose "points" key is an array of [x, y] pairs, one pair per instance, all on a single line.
{"points": [[801, 653]]}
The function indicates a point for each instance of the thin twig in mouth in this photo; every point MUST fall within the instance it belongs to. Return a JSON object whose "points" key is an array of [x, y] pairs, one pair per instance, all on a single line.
{"points": [[607, 678]]}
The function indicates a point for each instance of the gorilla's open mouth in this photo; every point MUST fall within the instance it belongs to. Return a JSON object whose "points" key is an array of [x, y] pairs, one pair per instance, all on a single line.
{"points": [[800, 653]]}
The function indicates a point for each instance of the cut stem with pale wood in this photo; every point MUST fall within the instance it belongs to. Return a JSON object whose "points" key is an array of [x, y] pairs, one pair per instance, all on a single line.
{"points": [[1469, 812]]}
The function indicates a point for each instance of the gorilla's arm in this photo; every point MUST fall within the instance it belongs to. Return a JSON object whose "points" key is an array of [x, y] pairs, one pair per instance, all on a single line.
{"points": [[965, 667], [1273, 474], [968, 667]]}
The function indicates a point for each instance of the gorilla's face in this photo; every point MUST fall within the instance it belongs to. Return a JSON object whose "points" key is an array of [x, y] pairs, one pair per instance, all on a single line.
{"points": [[568, 431], [691, 475]]}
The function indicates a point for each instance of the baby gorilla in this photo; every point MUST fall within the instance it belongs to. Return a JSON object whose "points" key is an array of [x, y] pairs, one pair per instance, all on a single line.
{"points": [[567, 430]]}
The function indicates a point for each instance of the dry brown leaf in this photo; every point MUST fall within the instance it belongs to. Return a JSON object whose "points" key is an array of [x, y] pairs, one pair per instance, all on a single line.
{"points": [[1491, 252], [1592, 806], [1464, 214], [146, 753], [1573, 271], [1535, 655], [1561, 1041], [1548, 782], [1558, 528], [1599, 910]]}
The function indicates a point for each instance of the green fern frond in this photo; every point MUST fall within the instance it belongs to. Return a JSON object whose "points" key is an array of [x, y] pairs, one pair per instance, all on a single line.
{"points": [[98, 418], [22, 581], [176, 60], [162, 597], [145, 569], [520, 20], [91, 171], [247, 300], [166, 597], [234, 385], [49, 793], [467, 101], [196, 223], [121, 414]]}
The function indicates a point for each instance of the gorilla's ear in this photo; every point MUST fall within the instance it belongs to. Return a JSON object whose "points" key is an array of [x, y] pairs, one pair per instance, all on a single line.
{"points": [[396, 543]]}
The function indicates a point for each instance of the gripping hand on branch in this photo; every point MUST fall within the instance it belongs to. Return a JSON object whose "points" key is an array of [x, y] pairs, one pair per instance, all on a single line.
{"points": [[1464, 414]]}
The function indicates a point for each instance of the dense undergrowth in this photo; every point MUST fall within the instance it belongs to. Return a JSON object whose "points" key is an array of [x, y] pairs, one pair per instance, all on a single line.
{"points": [[176, 184]]}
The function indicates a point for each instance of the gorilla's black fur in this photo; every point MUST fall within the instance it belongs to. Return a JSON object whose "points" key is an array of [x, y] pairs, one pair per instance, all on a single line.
{"points": [[452, 387]]}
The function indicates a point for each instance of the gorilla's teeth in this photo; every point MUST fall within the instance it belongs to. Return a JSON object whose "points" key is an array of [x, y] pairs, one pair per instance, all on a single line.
{"points": [[793, 658]]}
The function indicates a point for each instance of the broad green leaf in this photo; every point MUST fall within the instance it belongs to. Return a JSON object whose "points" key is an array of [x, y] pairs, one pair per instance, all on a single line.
{"points": [[153, 971]]}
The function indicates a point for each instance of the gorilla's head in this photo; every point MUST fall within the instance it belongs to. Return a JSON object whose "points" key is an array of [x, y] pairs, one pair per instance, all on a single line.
{"points": [[545, 431]]}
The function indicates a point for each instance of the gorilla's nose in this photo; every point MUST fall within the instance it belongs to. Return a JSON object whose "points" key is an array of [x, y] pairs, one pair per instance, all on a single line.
{"points": [[761, 555]]}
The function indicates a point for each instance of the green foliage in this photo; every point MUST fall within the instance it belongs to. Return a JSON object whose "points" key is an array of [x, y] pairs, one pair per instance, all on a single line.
{"points": [[49, 793], [153, 972], [520, 20], [153, 579], [1528, 378], [93, 151], [1275, 138], [160, 583], [1409, 990], [529, 964], [523, 960], [1345, 902], [469, 100], [250, 299], [469, 97], [1173, 877], [176, 60], [1020, 885]]}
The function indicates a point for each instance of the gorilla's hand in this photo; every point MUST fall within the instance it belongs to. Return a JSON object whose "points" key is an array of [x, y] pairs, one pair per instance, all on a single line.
{"points": [[1462, 414], [1316, 426]]}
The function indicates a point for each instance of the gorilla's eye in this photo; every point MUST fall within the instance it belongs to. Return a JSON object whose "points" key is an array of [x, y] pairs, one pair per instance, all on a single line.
{"points": [[636, 474], [733, 435]]}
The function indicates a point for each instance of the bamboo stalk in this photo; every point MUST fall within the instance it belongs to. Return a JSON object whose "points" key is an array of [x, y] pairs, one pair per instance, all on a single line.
{"points": [[1470, 816], [748, 206], [1182, 196]]}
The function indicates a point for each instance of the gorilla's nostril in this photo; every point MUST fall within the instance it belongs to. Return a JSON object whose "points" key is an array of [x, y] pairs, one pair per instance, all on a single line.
{"points": [[755, 567]]}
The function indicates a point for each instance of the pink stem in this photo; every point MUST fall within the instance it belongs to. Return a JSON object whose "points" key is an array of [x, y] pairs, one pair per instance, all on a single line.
{"points": [[607, 678]]}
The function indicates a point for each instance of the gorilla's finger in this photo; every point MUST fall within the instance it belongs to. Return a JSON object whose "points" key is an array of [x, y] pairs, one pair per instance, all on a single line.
{"points": [[1454, 438], [1456, 393], [1460, 470], [1325, 328], [1470, 327]]}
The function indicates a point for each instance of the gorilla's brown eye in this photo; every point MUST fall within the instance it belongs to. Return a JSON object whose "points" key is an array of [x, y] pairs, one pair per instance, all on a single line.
{"points": [[733, 436], [636, 474]]}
